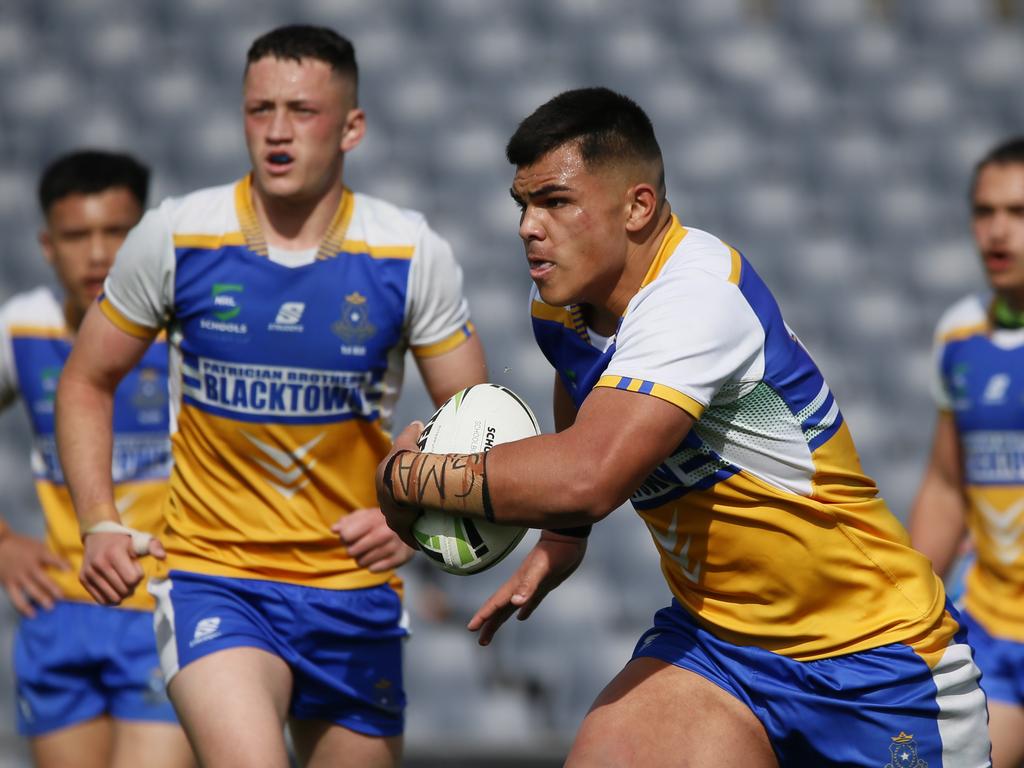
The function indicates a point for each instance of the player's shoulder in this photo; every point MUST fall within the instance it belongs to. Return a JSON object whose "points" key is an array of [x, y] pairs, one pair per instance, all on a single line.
{"points": [[379, 222], [968, 316], [209, 210], [696, 257], [36, 308]]}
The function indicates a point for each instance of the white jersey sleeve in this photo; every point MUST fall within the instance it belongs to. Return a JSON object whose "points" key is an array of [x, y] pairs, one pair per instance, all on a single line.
{"points": [[436, 307], [141, 284], [8, 372], [694, 334]]}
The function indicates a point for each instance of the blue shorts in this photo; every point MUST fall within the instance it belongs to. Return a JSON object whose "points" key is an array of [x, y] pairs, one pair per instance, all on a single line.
{"points": [[1001, 662], [344, 647], [881, 707], [80, 661]]}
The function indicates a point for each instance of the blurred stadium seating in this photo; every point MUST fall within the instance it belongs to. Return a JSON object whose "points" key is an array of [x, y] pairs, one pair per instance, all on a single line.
{"points": [[831, 142]]}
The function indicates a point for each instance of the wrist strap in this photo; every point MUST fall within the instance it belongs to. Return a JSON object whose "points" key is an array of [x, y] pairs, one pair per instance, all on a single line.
{"points": [[140, 540], [577, 532]]}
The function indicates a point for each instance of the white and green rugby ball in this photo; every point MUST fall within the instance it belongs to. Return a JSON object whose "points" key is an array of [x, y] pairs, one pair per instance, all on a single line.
{"points": [[472, 421]]}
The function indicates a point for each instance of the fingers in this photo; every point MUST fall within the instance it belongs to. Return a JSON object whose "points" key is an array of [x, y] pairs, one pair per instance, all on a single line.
{"points": [[20, 602], [368, 539], [408, 437], [357, 524], [156, 549], [110, 571], [40, 589]]}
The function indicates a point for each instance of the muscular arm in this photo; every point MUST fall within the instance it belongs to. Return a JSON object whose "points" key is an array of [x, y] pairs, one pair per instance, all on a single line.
{"points": [[447, 373], [101, 356], [571, 478], [937, 519]]}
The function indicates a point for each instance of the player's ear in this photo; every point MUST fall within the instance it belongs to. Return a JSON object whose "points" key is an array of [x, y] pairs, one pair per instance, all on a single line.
{"points": [[355, 129], [46, 243], [643, 204]]}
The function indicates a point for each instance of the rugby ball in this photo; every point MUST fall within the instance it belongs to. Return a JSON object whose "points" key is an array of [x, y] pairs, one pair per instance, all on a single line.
{"points": [[473, 420]]}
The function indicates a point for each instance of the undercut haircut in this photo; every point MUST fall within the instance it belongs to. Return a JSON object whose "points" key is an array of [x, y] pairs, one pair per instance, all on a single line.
{"points": [[605, 125], [305, 41], [89, 172], [1008, 152]]}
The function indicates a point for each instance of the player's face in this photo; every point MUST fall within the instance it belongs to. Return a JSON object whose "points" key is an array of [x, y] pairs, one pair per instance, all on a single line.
{"points": [[572, 225], [300, 118], [81, 238], [998, 222]]}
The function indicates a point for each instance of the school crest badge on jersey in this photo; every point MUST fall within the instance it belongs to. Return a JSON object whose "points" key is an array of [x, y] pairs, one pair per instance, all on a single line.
{"points": [[903, 752], [354, 328]]}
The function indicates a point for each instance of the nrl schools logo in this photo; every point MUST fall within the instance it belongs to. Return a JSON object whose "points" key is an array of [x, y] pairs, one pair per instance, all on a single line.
{"points": [[226, 307]]}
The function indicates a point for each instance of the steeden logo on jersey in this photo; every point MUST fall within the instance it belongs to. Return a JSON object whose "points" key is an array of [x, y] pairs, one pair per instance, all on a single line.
{"points": [[206, 629], [288, 316], [226, 307]]}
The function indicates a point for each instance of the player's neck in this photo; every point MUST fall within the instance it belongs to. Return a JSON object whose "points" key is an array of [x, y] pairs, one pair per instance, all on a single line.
{"points": [[639, 257], [73, 316], [296, 224], [1008, 311]]}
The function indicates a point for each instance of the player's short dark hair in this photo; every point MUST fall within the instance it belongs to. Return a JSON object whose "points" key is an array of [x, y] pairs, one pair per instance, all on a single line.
{"points": [[1007, 152], [90, 171], [607, 126], [306, 41]]}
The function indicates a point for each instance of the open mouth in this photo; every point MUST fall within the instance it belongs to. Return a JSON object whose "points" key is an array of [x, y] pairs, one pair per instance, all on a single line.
{"points": [[279, 161], [997, 261], [539, 267]]}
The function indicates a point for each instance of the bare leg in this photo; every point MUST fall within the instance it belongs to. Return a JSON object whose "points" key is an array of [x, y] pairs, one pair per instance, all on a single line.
{"points": [[1006, 727], [656, 714], [154, 745], [233, 705], [86, 745], [324, 745]]}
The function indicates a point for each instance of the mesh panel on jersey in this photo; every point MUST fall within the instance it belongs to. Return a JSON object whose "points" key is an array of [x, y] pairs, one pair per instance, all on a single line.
{"points": [[760, 422]]}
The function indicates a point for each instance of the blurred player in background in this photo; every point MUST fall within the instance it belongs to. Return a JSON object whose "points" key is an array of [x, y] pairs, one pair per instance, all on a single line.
{"points": [[804, 629], [290, 302], [89, 687], [975, 478]]}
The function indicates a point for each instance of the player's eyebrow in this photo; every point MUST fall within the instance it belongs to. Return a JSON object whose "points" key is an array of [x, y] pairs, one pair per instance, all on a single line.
{"points": [[548, 189]]}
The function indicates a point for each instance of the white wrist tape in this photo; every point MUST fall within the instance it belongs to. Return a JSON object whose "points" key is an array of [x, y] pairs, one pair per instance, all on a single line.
{"points": [[140, 540]]}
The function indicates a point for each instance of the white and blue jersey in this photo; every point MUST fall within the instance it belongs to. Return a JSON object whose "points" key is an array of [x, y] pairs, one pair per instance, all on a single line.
{"points": [[795, 588], [286, 367], [979, 378], [78, 660], [34, 345]]}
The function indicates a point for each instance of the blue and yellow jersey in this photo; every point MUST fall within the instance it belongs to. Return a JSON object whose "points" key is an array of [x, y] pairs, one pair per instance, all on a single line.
{"points": [[285, 369], [979, 378], [34, 345], [769, 531]]}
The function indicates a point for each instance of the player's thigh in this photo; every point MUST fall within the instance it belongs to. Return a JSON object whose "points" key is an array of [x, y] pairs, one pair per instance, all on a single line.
{"points": [[1006, 729], [233, 705], [85, 745], [324, 745], [154, 745], [653, 713]]}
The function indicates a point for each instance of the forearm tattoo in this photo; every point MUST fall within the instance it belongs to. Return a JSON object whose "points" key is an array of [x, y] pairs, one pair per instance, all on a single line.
{"points": [[451, 482]]}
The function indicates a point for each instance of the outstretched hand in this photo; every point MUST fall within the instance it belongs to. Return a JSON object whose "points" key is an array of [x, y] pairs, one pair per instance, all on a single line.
{"points": [[399, 519], [24, 562], [366, 536], [548, 564]]}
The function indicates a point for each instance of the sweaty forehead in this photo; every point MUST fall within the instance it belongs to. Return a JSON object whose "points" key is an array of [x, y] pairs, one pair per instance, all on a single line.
{"points": [[562, 166]]}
